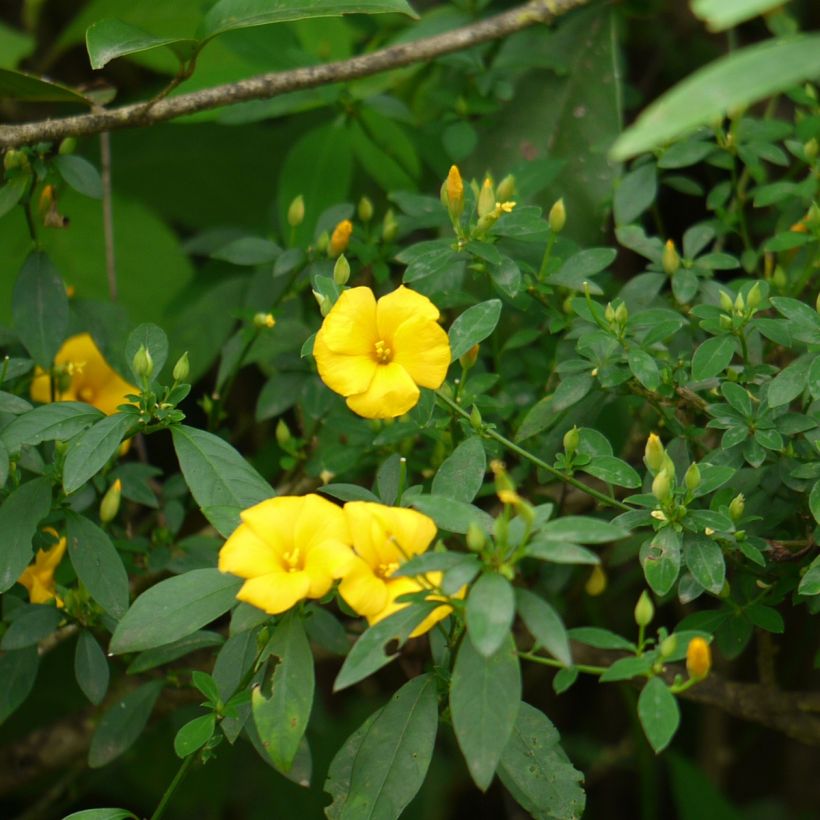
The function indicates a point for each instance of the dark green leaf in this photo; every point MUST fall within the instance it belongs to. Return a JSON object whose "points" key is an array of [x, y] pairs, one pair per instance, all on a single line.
{"points": [[462, 472], [194, 735], [570, 391], [59, 421], [20, 514], [644, 368], [659, 714], [80, 174], [581, 529], [613, 471], [12, 192], [809, 583], [90, 451], [248, 250], [635, 193], [101, 814], [108, 39], [627, 668], [174, 608], [473, 326], [581, 266], [91, 668], [17, 85], [154, 340], [152, 658], [30, 626], [18, 671], [660, 558], [490, 612], [712, 357], [450, 514], [600, 638], [545, 624], [789, 383], [705, 561]]}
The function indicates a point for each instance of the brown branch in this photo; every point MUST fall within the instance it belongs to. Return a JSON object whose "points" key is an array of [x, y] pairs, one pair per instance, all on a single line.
{"points": [[270, 85]]}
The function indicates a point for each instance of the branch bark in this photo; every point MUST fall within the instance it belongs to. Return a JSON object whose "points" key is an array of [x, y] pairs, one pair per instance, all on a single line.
{"points": [[265, 86]]}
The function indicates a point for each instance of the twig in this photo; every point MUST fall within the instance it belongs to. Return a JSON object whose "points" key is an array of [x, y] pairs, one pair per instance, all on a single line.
{"points": [[270, 85], [108, 215]]}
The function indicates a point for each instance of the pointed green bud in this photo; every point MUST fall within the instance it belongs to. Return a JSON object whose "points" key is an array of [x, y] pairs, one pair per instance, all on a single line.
{"points": [[506, 188], [662, 486], [282, 433], [12, 159], [572, 438], [654, 453], [644, 610], [296, 212], [182, 368], [67, 146], [740, 304], [779, 278], [737, 506], [486, 197], [692, 477], [753, 297], [557, 216], [390, 227], [110, 504], [475, 420], [365, 209], [341, 270], [668, 646], [726, 302], [622, 314], [670, 259], [142, 363], [609, 313], [476, 537], [810, 149], [263, 320]]}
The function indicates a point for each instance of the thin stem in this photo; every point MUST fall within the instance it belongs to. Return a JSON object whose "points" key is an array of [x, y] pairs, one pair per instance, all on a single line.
{"points": [[108, 214], [531, 457], [581, 667], [172, 787]]}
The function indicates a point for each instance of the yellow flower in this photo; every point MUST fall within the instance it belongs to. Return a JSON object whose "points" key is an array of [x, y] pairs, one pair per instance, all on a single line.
{"points": [[454, 187], [698, 658], [288, 549], [340, 238], [83, 375], [38, 578], [376, 353], [383, 539]]}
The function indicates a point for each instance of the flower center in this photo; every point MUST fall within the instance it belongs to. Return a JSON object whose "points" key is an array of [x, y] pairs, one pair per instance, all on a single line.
{"points": [[292, 559], [383, 353], [385, 569]]}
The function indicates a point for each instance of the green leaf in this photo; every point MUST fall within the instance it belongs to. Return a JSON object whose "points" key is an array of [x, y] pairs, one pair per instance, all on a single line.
{"points": [[485, 696], [581, 529], [59, 421], [490, 612], [98, 564], [660, 557], [809, 583], [569, 392], [635, 193], [712, 357], [12, 192], [473, 326], [735, 81], [248, 250], [151, 658], [18, 671], [814, 501], [545, 624], [536, 770], [451, 514], [17, 85], [462, 472], [394, 754], [122, 724], [560, 552], [722, 14], [627, 668], [154, 340], [80, 174], [20, 516], [644, 368], [108, 39], [282, 719], [91, 668], [705, 561], [229, 15], [612, 470], [581, 266], [600, 638], [90, 451], [220, 480], [174, 608], [101, 814], [659, 714], [194, 735], [15, 405], [368, 654], [40, 308], [30, 626], [789, 383]]}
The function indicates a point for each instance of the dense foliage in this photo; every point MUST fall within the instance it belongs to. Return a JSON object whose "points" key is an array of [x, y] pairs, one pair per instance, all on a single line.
{"points": [[425, 444]]}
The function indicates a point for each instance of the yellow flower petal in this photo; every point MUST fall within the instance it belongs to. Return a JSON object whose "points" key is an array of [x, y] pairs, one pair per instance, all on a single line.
{"points": [[391, 393], [273, 521], [275, 592], [363, 591], [319, 520], [402, 586], [112, 394], [247, 555], [326, 561], [350, 327], [399, 306], [422, 348], [401, 533], [342, 373]]}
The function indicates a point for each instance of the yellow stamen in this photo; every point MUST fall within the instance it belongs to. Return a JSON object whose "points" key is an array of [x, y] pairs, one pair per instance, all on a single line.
{"points": [[292, 559], [386, 569], [383, 353]]}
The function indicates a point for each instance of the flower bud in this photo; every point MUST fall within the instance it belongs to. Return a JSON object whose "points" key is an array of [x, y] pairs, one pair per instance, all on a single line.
{"points": [[390, 227], [476, 538], [609, 313], [67, 146], [110, 504], [142, 363], [46, 198], [182, 368], [810, 149], [486, 198], [670, 259], [282, 433], [737, 506], [753, 297], [476, 422], [262, 319], [13, 159], [506, 188], [668, 646], [653, 453], [572, 438], [557, 216], [779, 278], [622, 314], [454, 192], [662, 486], [740, 304], [726, 301], [469, 358], [341, 270], [644, 610], [597, 581], [340, 238], [365, 209], [296, 212], [698, 658], [692, 478], [322, 242]]}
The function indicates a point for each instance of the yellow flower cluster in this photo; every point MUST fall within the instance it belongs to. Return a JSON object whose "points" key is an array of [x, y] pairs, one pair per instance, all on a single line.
{"points": [[82, 374], [38, 577], [293, 547], [377, 353]]}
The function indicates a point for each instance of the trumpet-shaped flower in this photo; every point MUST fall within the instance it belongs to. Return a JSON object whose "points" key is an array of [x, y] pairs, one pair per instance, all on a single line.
{"points": [[376, 354], [38, 577], [383, 539], [288, 549], [82, 374]]}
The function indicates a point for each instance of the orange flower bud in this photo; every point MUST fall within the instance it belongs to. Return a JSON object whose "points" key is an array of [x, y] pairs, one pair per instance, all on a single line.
{"points": [[698, 658], [340, 238]]}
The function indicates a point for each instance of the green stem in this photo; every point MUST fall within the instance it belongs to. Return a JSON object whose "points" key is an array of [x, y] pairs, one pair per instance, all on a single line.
{"points": [[546, 258], [581, 667], [219, 401], [172, 787], [531, 457]]}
